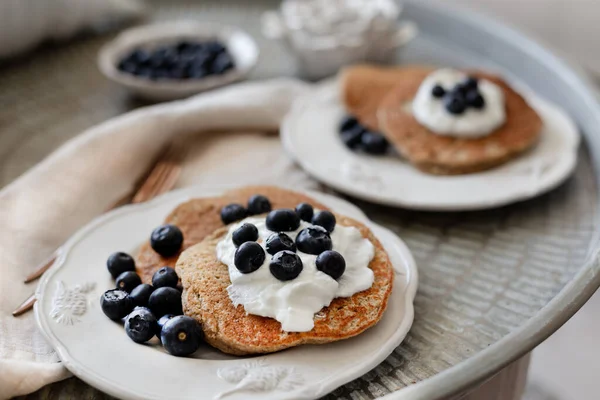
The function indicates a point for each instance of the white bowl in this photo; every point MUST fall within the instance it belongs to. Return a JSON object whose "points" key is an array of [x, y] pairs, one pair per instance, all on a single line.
{"points": [[240, 45]]}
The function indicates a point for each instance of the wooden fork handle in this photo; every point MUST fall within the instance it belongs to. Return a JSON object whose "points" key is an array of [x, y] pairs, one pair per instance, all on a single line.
{"points": [[25, 306], [42, 267]]}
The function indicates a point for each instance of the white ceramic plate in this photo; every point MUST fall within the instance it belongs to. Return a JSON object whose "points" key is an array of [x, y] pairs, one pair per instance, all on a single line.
{"points": [[310, 135], [98, 351], [241, 46]]}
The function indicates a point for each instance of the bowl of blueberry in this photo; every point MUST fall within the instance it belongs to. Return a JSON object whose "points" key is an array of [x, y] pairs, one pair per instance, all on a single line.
{"points": [[169, 61]]}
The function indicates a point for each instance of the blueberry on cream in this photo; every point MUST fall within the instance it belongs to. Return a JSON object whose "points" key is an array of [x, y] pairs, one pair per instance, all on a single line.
{"points": [[245, 233], [290, 285], [313, 240], [249, 257], [278, 242], [451, 103], [283, 220]]}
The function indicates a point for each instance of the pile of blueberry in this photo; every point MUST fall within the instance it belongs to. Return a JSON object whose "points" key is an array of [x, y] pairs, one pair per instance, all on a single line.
{"points": [[285, 264], [462, 96], [183, 60], [357, 137], [152, 310]]}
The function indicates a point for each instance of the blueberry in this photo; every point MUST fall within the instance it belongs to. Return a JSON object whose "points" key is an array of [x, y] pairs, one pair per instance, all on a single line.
{"points": [[144, 72], [471, 83], [166, 240], [332, 263], [258, 204], [139, 57], [313, 240], [141, 293], [119, 262], [232, 212], [183, 46], [179, 72], [305, 211], [181, 336], [282, 220], [198, 72], [163, 320], [455, 105], [352, 137], [347, 123], [285, 265], [374, 143], [475, 99], [166, 276], [163, 58], [326, 219], [222, 63], [245, 233], [249, 257], [160, 73], [116, 304], [165, 300], [141, 325], [438, 91], [460, 90], [127, 281], [128, 67], [278, 242], [213, 47]]}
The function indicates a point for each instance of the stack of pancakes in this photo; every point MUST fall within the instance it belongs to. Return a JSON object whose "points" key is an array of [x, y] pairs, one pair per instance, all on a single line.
{"points": [[380, 99], [205, 280]]}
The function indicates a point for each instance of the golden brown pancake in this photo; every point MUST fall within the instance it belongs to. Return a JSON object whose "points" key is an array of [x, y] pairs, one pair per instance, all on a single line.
{"points": [[198, 218], [228, 328], [205, 280], [363, 87], [447, 155]]}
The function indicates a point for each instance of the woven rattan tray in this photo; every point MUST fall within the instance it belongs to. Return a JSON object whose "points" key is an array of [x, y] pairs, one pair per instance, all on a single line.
{"points": [[493, 284]]}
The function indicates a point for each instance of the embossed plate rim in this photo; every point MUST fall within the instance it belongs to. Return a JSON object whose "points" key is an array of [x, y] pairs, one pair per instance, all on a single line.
{"points": [[397, 326]]}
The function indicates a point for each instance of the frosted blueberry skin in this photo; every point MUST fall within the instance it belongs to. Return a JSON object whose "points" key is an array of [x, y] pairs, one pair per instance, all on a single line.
{"points": [[245, 233], [313, 240], [285, 265], [166, 240], [249, 257]]}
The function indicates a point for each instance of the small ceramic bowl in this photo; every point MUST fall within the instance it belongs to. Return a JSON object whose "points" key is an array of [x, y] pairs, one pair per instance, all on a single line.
{"points": [[241, 46]]}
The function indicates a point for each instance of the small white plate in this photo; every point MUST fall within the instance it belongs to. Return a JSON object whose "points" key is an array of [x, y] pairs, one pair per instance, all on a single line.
{"points": [[241, 46], [99, 352], [310, 135]]}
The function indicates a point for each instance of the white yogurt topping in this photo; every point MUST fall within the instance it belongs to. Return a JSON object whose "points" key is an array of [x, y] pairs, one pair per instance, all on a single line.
{"points": [[294, 303], [472, 123]]}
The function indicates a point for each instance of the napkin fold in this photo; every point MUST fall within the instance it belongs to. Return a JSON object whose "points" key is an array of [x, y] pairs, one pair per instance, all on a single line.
{"points": [[76, 183]]}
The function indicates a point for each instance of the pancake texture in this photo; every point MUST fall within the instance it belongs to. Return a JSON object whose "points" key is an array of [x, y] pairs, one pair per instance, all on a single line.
{"points": [[228, 328], [198, 218], [363, 87], [447, 155]]}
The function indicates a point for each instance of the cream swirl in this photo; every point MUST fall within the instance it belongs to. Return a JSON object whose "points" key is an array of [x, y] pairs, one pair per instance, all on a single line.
{"points": [[294, 303], [472, 123]]}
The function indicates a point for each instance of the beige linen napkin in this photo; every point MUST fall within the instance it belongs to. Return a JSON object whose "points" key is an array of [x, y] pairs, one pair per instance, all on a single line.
{"points": [[41, 209]]}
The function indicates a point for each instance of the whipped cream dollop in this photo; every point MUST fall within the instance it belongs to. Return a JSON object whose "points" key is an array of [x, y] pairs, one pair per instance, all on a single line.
{"points": [[294, 303], [431, 111]]}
